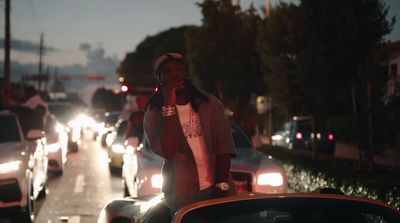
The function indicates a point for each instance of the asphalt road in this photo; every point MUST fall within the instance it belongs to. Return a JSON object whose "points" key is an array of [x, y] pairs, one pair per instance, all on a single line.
{"points": [[85, 187]]}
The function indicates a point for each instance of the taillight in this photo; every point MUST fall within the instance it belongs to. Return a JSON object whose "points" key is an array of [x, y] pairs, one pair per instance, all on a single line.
{"points": [[299, 135], [330, 137]]}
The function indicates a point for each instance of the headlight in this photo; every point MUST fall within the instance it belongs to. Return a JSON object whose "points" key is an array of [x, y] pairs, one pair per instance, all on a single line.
{"points": [[9, 166], [157, 181], [117, 148], [271, 179], [59, 128], [277, 137], [53, 147]]}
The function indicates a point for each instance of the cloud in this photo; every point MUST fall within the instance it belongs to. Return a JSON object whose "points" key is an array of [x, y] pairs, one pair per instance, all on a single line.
{"points": [[26, 46], [98, 63], [97, 60]]}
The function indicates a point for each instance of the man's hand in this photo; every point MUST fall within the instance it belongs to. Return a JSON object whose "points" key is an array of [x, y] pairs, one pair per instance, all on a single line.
{"points": [[169, 91]]}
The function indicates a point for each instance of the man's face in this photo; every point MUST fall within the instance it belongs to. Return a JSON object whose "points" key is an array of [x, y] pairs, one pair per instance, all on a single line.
{"points": [[173, 72]]}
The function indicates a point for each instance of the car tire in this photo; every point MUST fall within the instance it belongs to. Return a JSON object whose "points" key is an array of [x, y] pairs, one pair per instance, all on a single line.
{"points": [[43, 193], [27, 214], [59, 172], [73, 147], [126, 190]]}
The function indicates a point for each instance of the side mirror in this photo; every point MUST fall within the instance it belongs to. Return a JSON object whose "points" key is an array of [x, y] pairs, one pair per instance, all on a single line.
{"points": [[34, 134]]}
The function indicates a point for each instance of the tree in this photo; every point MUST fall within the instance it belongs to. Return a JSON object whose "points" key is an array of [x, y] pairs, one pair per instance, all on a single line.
{"points": [[223, 55], [107, 100], [137, 66], [314, 52]]}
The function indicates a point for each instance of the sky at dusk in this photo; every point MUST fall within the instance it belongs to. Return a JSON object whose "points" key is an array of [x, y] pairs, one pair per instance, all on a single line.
{"points": [[96, 33]]}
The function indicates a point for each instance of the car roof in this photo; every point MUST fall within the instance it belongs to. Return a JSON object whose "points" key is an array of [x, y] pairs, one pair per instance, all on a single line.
{"points": [[255, 196]]}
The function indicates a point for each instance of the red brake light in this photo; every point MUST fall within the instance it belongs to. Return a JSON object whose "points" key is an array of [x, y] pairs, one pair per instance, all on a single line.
{"points": [[299, 135], [330, 137], [124, 88]]}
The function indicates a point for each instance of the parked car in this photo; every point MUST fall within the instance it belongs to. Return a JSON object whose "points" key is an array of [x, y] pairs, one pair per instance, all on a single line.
{"points": [[67, 115], [255, 207], [252, 171], [116, 149], [297, 133], [56, 144], [23, 167]]}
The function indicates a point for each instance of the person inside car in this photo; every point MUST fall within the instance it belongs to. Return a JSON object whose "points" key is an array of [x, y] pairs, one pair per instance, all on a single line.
{"points": [[188, 128]]}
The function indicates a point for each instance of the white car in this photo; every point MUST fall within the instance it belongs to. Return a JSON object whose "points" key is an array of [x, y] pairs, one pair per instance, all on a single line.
{"points": [[56, 144], [23, 167], [252, 171], [116, 147]]}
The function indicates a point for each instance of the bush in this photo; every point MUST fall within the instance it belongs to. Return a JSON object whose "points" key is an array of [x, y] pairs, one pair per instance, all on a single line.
{"points": [[305, 175]]}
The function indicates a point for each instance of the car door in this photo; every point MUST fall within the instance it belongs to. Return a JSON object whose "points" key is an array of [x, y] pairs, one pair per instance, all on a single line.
{"points": [[130, 166], [40, 165]]}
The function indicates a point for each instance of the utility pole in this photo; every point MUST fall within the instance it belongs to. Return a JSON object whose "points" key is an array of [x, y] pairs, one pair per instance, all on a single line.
{"points": [[370, 131], [267, 8], [7, 46], [41, 51]]}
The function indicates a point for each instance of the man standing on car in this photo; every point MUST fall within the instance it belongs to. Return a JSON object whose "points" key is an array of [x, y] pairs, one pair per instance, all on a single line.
{"points": [[188, 128]]}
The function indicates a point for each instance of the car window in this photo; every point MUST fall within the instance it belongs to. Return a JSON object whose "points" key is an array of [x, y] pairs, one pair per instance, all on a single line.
{"points": [[239, 138], [50, 125], [9, 129], [292, 211], [304, 126], [286, 126], [63, 112]]}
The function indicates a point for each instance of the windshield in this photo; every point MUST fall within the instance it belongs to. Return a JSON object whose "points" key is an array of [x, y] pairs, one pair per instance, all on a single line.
{"points": [[293, 210], [122, 128], [9, 129], [239, 138], [64, 112]]}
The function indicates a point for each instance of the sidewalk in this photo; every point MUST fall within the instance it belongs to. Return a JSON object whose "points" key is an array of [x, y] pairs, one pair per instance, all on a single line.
{"points": [[389, 157]]}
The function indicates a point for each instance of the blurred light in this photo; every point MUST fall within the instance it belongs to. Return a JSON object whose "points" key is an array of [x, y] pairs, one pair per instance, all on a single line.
{"points": [[140, 147], [52, 148], [117, 148], [124, 88], [9, 166], [318, 135], [117, 91], [299, 135], [277, 137], [59, 128], [271, 179], [110, 138], [157, 181], [121, 79], [330, 137]]}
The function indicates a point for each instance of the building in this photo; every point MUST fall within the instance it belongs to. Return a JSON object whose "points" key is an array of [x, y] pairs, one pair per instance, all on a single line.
{"points": [[391, 60]]}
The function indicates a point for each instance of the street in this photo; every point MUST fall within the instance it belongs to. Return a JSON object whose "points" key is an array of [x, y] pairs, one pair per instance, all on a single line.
{"points": [[84, 188]]}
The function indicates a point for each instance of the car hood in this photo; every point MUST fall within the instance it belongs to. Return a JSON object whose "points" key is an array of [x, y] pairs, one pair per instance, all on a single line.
{"points": [[11, 150], [250, 160]]}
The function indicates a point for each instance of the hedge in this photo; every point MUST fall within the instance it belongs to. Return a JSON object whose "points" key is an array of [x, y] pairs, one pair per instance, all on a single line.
{"points": [[305, 175]]}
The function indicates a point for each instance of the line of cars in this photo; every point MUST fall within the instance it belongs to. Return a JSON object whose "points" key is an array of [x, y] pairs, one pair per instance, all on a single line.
{"points": [[297, 133], [251, 170], [259, 179], [28, 154]]}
